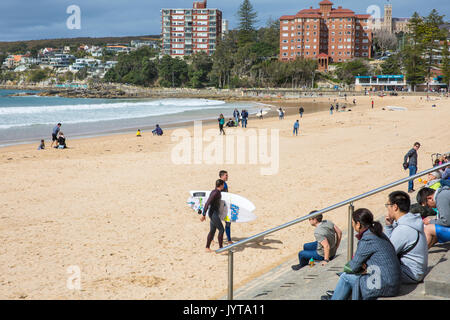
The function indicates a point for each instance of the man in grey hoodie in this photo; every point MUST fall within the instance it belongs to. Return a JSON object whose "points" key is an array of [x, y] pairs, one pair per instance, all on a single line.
{"points": [[437, 230], [406, 232]]}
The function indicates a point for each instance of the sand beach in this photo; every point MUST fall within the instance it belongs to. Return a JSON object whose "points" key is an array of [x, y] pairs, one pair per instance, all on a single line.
{"points": [[114, 207]]}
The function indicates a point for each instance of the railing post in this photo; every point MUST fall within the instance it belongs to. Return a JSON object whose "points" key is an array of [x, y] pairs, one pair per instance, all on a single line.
{"points": [[230, 274], [351, 208]]}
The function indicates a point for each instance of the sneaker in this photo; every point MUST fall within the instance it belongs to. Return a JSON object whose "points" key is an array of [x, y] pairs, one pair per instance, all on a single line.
{"points": [[330, 293], [325, 297], [411, 191], [296, 267]]}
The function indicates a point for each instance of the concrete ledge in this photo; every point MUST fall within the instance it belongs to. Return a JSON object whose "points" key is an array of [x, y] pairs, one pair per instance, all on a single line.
{"points": [[310, 283], [437, 282]]}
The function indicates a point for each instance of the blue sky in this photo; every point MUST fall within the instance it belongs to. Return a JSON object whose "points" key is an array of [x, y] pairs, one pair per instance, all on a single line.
{"points": [[46, 19]]}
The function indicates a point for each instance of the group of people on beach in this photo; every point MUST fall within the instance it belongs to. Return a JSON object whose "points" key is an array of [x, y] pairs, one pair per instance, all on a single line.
{"points": [[58, 139], [239, 117], [390, 256], [394, 255], [156, 132]]}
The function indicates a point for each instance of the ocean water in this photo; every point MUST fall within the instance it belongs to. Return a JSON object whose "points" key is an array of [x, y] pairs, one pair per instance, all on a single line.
{"points": [[30, 118]]}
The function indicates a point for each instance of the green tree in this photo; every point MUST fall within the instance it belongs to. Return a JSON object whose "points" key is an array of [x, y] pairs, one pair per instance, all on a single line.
{"points": [[432, 35], [347, 71], [173, 72], [82, 73], [446, 64], [392, 65], [247, 18], [199, 69], [37, 75], [223, 60], [136, 68], [414, 65]]}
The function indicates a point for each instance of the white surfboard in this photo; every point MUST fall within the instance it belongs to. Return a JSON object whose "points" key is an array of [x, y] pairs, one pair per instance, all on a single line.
{"points": [[394, 108], [235, 206], [236, 198]]}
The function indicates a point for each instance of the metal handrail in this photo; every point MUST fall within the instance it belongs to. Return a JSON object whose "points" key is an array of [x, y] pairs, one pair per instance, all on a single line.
{"points": [[312, 215]]}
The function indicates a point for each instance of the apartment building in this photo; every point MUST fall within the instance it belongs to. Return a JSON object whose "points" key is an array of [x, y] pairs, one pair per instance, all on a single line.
{"points": [[188, 31], [327, 34]]}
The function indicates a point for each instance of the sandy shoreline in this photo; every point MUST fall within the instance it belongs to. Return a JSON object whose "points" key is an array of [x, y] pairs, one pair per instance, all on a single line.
{"points": [[114, 206]]}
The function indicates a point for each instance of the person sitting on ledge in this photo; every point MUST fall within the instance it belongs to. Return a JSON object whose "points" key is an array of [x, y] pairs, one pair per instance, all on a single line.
{"points": [[406, 232], [374, 270], [437, 230], [328, 237]]}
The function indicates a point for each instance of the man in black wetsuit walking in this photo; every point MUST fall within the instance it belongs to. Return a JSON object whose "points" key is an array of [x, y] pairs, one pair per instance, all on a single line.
{"points": [[213, 204]]}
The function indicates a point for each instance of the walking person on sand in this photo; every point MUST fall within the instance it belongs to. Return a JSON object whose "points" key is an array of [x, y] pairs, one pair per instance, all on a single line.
{"points": [[213, 204], [301, 111], [221, 123], [296, 126]]}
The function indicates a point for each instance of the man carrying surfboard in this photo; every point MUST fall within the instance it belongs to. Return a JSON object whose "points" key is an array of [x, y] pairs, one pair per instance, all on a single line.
{"points": [[213, 204]]}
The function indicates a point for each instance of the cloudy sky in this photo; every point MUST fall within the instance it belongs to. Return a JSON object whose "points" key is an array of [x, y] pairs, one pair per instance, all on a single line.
{"points": [[46, 19]]}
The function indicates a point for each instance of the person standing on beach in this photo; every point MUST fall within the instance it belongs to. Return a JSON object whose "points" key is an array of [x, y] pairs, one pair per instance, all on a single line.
{"points": [[244, 115], [280, 114], [331, 109], [236, 116], [372, 103], [296, 125], [411, 164], [301, 110], [213, 204], [221, 123], [223, 175], [55, 134]]}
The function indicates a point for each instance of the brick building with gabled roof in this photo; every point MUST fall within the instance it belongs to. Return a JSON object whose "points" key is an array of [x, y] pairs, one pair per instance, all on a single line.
{"points": [[325, 33]]}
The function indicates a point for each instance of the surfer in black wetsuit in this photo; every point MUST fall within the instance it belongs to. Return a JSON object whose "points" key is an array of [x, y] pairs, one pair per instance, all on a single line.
{"points": [[213, 204]]}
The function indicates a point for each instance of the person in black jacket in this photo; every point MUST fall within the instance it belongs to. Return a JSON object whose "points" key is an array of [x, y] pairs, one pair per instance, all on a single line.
{"points": [[411, 164]]}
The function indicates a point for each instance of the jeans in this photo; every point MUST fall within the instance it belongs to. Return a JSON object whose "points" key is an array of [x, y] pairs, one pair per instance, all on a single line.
{"points": [[345, 286], [244, 122], [309, 251], [412, 171], [237, 120], [228, 230], [295, 131]]}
